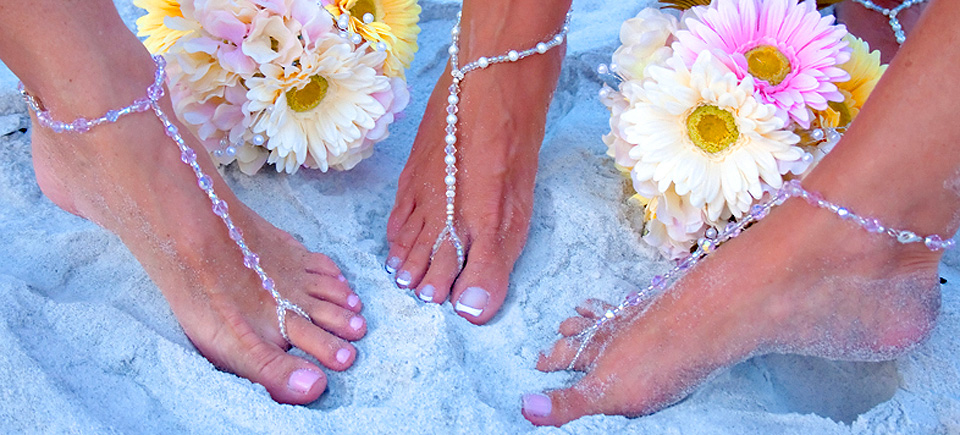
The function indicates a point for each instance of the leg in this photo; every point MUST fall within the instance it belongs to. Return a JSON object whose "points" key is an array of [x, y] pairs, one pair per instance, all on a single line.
{"points": [[874, 27], [814, 284], [127, 177], [502, 114]]}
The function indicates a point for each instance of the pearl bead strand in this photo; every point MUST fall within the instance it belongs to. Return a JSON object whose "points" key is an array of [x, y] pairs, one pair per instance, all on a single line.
{"points": [[458, 73], [892, 15]]}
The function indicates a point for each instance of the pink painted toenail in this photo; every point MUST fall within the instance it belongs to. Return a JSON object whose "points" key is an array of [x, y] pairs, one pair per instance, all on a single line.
{"points": [[343, 355], [353, 301], [404, 278], [426, 293], [356, 323], [473, 301], [392, 264], [303, 380], [342, 278], [537, 405]]}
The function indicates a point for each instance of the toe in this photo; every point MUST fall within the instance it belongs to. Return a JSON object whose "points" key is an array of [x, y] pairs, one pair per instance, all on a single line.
{"points": [[560, 406], [435, 285], [319, 264], [401, 245], [593, 308], [334, 290], [337, 320], [288, 379], [574, 326], [418, 259], [482, 286], [332, 351], [564, 351]]}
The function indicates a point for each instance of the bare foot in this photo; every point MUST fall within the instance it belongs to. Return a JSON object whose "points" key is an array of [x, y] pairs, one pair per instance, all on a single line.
{"points": [[817, 286], [501, 126], [127, 177], [874, 27]]}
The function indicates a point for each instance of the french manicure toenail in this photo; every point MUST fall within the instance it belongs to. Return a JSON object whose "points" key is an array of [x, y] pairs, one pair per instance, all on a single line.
{"points": [[356, 322], [353, 301], [426, 293], [537, 405], [303, 380], [473, 301], [392, 264], [343, 355], [404, 278]]}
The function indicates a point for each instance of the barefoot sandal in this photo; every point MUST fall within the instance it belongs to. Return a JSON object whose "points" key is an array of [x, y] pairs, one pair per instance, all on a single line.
{"points": [[892, 15], [449, 232], [189, 157], [713, 239]]}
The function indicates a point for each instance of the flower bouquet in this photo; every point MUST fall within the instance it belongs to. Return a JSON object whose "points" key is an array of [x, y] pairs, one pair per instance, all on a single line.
{"points": [[720, 106], [287, 82]]}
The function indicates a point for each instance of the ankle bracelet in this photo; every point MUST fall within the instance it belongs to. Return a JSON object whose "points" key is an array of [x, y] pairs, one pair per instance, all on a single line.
{"points": [[713, 239], [892, 15], [458, 73], [189, 157]]}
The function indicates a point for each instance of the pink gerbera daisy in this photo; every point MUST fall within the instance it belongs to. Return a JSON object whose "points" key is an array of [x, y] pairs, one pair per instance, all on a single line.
{"points": [[791, 51]]}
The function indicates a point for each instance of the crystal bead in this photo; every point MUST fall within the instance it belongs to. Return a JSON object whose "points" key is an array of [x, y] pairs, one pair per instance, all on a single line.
{"points": [[948, 244], [813, 198], [451, 170], [758, 212], [154, 92], [81, 125], [236, 234], [205, 182], [707, 245], [251, 260], [188, 156], [732, 229], [113, 115], [171, 130], [843, 213], [454, 89], [449, 129], [220, 208], [58, 127], [268, 284], [933, 243], [449, 149], [141, 105], [657, 281], [451, 193], [451, 109], [872, 225]]}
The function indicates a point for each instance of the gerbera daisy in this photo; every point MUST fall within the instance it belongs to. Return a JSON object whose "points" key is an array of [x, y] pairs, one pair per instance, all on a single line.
{"points": [[392, 22], [702, 132], [671, 223], [790, 50], [646, 39], [153, 24], [865, 71], [319, 109]]}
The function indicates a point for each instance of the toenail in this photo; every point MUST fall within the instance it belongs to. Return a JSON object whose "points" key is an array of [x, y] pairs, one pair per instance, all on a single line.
{"points": [[356, 322], [426, 293], [353, 300], [473, 301], [303, 380], [342, 278], [404, 278], [537, 405], [392, 264], [343, 355]]}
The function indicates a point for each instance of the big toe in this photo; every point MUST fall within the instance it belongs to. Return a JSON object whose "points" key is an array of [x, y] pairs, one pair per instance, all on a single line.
{"points": [[558, 407], [482, 286], [288, 379]]}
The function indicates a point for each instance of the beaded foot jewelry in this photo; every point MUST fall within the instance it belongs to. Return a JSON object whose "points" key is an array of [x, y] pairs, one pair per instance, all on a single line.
{"points": [[449, 231], [189, 157], [892, 15], [713, 239]]}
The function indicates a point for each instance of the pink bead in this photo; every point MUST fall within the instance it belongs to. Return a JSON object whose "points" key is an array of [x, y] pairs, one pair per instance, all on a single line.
{"points": [[220, 208], [268, 284], [933, 243], [251, 261], [81, 125]]}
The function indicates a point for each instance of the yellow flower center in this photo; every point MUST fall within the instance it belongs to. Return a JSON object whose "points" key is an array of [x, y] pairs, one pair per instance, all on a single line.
{"points": [[302, 100], [712, 129], [843, 110], [362, 7], [767, 63]]}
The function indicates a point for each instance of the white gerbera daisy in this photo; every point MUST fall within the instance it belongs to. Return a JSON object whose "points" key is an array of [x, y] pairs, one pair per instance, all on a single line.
{"points": [[703, 133], [672, 224], [319, 109]]}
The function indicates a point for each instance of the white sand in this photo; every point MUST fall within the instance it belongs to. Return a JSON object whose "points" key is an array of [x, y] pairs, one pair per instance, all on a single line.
{"points": [[87, 344]]}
